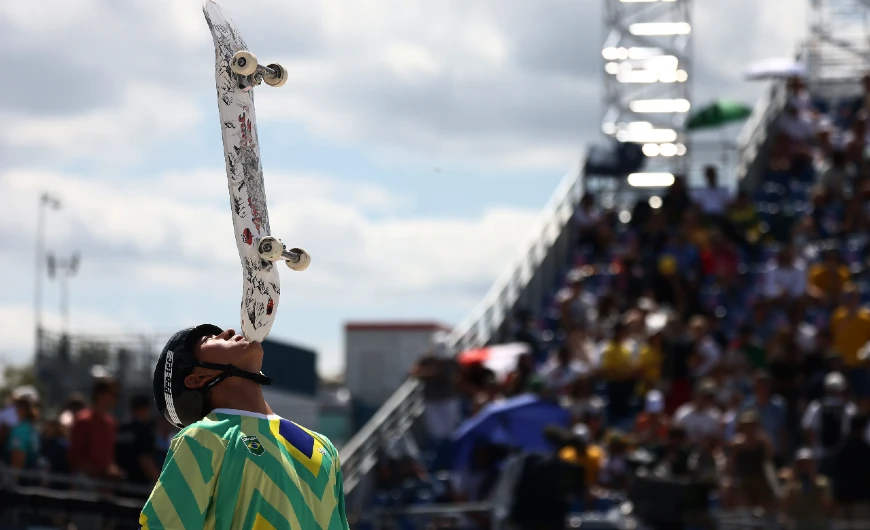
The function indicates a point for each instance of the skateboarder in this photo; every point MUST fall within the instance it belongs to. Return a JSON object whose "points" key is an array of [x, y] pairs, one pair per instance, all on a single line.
{"points": [[235, 464]]}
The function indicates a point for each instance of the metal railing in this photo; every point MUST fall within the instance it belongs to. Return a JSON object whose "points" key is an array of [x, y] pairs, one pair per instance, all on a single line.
{"points": [[756, 132], [523, 281]]}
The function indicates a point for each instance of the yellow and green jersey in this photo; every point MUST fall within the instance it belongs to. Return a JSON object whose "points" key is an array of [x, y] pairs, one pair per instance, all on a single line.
{"points": [[238, 470]]}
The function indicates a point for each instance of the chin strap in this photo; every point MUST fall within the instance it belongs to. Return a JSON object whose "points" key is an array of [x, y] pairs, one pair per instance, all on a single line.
{"points": [[228, 370]]}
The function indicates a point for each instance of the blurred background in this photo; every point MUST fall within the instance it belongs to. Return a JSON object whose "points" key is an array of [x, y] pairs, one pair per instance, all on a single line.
{"points": [[576, 264]]}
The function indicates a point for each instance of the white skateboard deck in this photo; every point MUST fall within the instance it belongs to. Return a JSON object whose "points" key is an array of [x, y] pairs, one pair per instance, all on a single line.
{"points": [[261, 285]]}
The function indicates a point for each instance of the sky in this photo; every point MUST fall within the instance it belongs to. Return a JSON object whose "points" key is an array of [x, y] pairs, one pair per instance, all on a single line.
{"points": [[410, 152]]}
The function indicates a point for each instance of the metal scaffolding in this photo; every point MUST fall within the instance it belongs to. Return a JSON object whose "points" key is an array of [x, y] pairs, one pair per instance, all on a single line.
{"points": [[838, 50], [647, 82]]}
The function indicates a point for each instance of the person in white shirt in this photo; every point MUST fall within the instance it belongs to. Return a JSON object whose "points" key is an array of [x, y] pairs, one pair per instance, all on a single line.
{"points": [[785, 280], [826, 421], [699, 417], [712, 200], [707, 352]]}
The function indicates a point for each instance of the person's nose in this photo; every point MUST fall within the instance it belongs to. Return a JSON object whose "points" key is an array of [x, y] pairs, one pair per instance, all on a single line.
{"points": [[228, 334]]}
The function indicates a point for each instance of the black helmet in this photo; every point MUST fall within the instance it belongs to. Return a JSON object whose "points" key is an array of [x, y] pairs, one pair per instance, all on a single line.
{"points": [[179, 404]]}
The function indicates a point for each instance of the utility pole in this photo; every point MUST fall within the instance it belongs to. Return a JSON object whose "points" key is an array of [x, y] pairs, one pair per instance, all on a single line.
{"points": [[65, 269], [46, 202]]}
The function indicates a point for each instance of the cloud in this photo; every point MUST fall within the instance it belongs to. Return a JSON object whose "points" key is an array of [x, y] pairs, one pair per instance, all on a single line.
{"points": [[149, 242], [491, 84]]}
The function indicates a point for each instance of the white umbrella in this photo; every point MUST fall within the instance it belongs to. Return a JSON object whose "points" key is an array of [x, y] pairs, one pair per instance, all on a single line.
{"points": [[775, 68], [501, 358]]}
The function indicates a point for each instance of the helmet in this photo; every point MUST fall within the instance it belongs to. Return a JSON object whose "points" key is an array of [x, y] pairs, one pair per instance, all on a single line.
{"points": [[179, 404]]}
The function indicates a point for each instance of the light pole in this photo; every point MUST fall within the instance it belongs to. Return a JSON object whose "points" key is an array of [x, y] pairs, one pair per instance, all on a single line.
{"points": [[65, 268], [45, 201]]}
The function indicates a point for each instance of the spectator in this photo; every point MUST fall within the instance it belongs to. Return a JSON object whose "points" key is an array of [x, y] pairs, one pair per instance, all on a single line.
{"points": [[22, 445], [439, 372], [560, 372], [93, 435], [652, 425], [807, 496], [707, 352], [826, 421], [838, 175], [772, 414], [620, 372], [676, 200], [137, 443], [750, 465], [576, 304], [851, 467], [581, 452], [785, 280], [699, 417], [827, 279], [54, 446], [713, 200], [850, 327]]}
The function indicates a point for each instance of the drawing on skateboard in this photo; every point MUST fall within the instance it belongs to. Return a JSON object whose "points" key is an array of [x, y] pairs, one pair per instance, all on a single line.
{"points": [[237, 72]]}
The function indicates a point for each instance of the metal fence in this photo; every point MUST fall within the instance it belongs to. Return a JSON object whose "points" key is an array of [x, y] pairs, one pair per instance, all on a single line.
{"points": [[37, 500]]}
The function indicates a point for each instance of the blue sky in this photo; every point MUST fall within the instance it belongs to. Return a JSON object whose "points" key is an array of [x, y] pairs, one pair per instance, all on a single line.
{"points": [[410, 151]]}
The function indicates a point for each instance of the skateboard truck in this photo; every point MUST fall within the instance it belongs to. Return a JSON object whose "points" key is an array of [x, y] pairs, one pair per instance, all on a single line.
{"points": [[250, 72], [272, 249]]}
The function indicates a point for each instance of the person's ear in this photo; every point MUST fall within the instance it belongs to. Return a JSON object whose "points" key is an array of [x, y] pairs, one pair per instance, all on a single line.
{"points": [[195, 380]]}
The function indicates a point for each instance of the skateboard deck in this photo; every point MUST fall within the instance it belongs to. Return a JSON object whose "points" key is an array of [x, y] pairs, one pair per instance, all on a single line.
{"points": [[261, 284]]}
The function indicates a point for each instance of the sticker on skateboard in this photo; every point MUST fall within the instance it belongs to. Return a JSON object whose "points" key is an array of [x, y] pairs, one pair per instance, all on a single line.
{"points": [[237, 72]]}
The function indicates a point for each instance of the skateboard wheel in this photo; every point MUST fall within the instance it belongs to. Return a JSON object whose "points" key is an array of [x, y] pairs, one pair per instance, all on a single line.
{"points": [[276, 80], [244, 63], [304, 260], [270, 248]]}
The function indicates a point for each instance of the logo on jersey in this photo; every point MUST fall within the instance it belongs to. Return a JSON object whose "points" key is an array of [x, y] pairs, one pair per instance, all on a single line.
{"points": [[253, 444]]}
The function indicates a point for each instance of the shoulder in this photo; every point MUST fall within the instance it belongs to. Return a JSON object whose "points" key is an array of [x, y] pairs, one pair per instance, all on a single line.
{"points": [[211, 429], [326, 443]]}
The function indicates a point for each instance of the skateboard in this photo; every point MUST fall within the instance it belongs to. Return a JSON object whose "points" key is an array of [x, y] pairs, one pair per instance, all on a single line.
{"points": [[237, 72]]}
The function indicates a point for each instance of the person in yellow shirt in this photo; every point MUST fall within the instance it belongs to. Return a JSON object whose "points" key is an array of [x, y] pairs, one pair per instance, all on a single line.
{"points": [[850, 327], [620, 370], [583, 453], [826, 279]]}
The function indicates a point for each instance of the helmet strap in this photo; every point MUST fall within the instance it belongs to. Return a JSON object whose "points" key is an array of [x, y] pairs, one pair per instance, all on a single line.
{"points": [[228, 370]]}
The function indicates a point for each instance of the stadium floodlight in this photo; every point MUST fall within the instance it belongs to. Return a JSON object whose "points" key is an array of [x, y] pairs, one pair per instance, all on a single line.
{"points": [[647, 69], [651, 180], [660, 106], [660, 28], [649, 136]]}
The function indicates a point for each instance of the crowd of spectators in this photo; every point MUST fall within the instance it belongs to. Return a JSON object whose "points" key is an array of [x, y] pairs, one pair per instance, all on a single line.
{"points": [[84, 446], [723, 337]]}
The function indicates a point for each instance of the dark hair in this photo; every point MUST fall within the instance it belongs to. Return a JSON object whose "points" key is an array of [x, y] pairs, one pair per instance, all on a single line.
{"points": [[103, 385], [140, 401]]}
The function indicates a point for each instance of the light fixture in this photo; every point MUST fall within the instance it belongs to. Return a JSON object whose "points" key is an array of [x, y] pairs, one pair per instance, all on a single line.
{"points": [[651, 180]]}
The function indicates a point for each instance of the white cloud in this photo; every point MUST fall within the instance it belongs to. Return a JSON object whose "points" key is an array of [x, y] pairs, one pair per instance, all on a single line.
{"points": [[488, 83], [168, 237]]}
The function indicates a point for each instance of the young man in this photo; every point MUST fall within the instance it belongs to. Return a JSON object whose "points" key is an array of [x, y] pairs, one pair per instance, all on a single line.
{"points": [[235, 465]]}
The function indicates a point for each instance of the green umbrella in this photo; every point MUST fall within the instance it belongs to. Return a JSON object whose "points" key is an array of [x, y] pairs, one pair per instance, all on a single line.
{"points": [[720, 112]]}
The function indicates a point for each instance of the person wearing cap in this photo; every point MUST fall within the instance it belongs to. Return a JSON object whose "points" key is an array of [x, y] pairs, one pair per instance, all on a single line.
{"points": [[235, 464], [806, 494], [826, 421], [652, 425]]}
